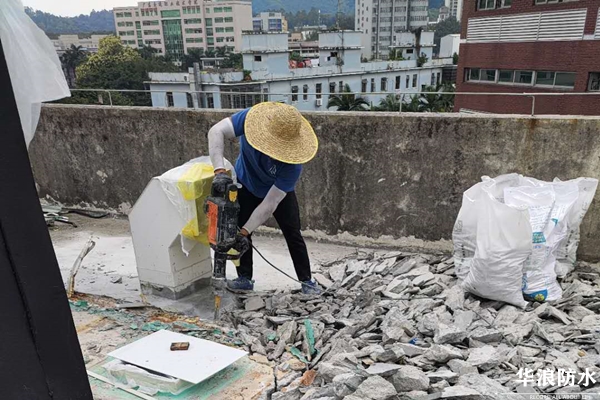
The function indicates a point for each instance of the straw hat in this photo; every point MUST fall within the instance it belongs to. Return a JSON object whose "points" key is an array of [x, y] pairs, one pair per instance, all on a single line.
{"points": [[281, 132]]}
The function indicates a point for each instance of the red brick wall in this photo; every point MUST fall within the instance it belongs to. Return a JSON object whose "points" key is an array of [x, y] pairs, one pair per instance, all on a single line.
{"points": [[581, 57]]}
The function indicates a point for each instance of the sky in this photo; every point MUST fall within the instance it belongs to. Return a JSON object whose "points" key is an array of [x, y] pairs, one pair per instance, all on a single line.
{"points": [[70, 8]]}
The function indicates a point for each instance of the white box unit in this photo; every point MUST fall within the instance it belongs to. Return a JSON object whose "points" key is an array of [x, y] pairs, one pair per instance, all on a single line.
{"points": [[319, 102]]}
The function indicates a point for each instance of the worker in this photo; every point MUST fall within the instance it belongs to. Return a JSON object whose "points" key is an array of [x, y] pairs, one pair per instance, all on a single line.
{"points": [[275, 140]]}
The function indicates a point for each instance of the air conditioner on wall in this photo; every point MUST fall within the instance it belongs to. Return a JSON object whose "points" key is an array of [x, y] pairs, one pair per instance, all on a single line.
{"points": [[319, 102]]}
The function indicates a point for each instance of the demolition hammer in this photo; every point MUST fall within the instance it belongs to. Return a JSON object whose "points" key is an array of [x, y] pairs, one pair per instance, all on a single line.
{"points": [[222, 210]]}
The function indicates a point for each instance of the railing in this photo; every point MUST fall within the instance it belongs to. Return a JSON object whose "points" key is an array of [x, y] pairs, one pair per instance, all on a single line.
{"points": [[401, 96]]}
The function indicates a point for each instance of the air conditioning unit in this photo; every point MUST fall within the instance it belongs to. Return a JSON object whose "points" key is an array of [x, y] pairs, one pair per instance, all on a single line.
{"points": [[319, 102]]}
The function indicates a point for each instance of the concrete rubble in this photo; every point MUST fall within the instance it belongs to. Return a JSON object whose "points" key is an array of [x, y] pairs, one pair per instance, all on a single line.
{"points": [[398, 326]]}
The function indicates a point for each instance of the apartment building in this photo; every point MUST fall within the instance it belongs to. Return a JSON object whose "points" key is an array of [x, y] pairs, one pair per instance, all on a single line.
{"points": [[175, 27], [530, 46], [266, 59], [380, 20], [455, 7], [269, 22]]}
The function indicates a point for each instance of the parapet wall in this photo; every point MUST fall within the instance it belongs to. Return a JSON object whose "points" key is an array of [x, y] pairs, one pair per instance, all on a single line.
{"points": [[376, 174]]}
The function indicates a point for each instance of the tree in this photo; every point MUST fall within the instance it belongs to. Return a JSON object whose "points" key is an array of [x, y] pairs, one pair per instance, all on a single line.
{"points": [[194, 55], [295, 56], [433, 102], [396, 55], [70, 60], [448, 26], [414, 105], [389, 103], [312, 36], [233, 61], [222, 51], [455, 59], [147, 52], [118, 67], [422, 60], [347, 101]]}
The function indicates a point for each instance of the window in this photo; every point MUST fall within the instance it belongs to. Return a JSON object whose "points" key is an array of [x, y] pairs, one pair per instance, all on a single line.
{"points": [[208, 10], [294, 93], [398, 82], [341, 87], [127, 14], [505, 76], [407, 81], [258, 58], [594, 82], [121, 24], [410, 51], [152, 32], [305, 92], [218, 9], [524, 77], [208, 21], [138, 25], [544, 78], [488, 75], [565, 79], [332, 87], [473, 74], [153, 41], [210, 101], [209, 31], [228, 19], [137, 14], [372, 85], [486, 4], [506, 3], [229, 29], [150, 23], [319, 88], [228, 9], [193, 30], [190, 100], [550, 1], [230, 39], [170, 102], [432, 79], [415, 77], [363, 87], [219, 20], [439, 80], [194, 40], [210, 41], [170, 14], [384, 84], [192, 21], [220, 40], [119, 15]]}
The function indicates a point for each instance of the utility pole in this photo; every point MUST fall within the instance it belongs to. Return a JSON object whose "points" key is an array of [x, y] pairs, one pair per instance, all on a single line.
{"points": [[337, 16]]}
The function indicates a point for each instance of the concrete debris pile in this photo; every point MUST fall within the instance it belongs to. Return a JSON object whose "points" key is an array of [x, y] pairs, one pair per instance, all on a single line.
{"points": [[398, 326]]}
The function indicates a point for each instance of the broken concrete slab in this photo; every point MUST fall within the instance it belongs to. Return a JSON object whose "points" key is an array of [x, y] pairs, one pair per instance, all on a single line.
{"points": [[382, 369], [409, 378], [442, 353], [485, 358], [375, 388], [449, 334]]}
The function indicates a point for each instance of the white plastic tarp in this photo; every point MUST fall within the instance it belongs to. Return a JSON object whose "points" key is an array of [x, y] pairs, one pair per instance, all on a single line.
{"points": [[35, 70]]}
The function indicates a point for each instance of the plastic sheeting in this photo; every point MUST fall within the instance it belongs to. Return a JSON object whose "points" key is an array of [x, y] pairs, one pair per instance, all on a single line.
{"points": [[187, 187], [35, 70]]}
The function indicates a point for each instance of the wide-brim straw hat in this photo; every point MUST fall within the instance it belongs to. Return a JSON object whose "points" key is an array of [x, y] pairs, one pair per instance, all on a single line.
{"points": [[281, 132]]}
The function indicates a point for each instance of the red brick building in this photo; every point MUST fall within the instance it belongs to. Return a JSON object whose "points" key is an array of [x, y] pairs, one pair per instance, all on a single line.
{"points": [[530, 46]]}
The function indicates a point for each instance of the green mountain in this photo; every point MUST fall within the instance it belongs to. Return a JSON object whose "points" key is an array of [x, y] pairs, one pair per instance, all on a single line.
{"points": [[326, 7], [97, 21]]}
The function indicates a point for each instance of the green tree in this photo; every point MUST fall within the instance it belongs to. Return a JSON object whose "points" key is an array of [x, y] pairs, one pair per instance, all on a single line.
{"points": [[389, 103], [414, 105], [347, 101], [295, 56], [422, 60], [234, 61], [396, 55], [455, 59], [433, 102], [448, 26], [222, 51], [71, 59], [147, 52], [193, 56], [118, 67], [313, 36]]}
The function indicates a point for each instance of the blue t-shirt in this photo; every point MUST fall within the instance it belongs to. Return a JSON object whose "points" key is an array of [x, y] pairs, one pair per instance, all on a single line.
{"points": [[256, 171]]}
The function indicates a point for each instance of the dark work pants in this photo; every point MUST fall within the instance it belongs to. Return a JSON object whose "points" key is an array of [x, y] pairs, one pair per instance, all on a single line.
{"points": [[287, 216]]}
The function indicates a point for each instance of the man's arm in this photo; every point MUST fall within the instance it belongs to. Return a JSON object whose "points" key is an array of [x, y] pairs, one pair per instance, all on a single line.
{"points": [[216, 142], [264, 210]]}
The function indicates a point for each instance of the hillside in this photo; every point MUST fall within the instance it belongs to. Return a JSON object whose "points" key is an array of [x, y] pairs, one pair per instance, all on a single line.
{"points": [[326, 7], [97, 21]]}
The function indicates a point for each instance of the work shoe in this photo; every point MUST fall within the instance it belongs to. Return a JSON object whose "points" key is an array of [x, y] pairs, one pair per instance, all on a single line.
{"points": [[310, 287], [240, 284]]}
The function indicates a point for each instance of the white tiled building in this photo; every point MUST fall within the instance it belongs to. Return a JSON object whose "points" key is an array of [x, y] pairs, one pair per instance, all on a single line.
{"points": [[266, 56], [380, 20], [174, 27], [269, 22]]}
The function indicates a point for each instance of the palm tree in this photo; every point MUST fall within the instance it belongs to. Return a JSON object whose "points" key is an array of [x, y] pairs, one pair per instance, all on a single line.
{"points": [[222, 51], [71, 59], [347, 101], [438, 102], [193, 56], [389, 103], [413, 106]]}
